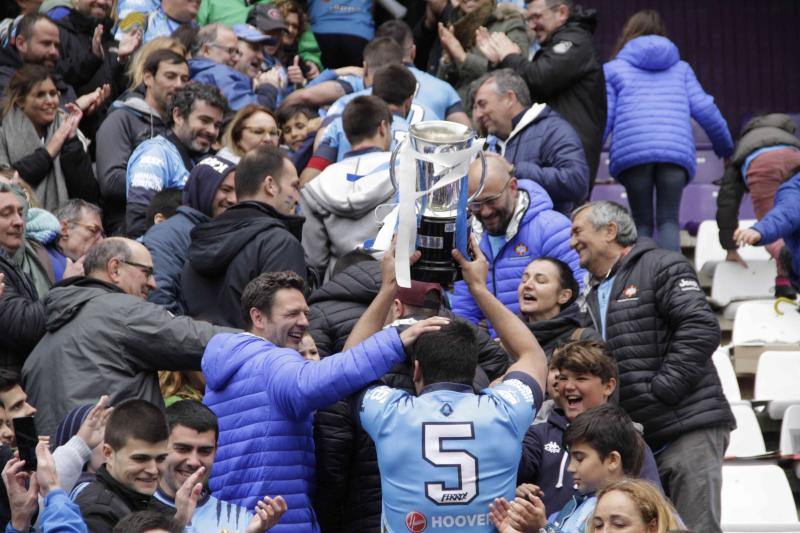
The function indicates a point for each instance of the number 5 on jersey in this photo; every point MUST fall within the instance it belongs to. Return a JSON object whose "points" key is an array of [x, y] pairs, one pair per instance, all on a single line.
{"points": [[434, 435]]}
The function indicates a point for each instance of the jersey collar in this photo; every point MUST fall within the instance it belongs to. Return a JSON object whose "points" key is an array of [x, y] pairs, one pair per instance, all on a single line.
{"points": [[454, 387]]}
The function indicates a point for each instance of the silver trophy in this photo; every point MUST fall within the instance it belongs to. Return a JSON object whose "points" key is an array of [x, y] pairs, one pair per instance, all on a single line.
{"points": [[442, 152]]}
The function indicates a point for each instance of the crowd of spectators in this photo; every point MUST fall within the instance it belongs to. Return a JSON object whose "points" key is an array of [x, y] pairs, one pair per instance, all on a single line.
{"points": [[194, 316]]}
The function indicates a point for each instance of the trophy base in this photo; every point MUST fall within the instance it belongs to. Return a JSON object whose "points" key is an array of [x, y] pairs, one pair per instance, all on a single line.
{"points": [[436, 240]]}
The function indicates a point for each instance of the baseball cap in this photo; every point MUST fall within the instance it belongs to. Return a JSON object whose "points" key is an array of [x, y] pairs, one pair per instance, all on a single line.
{"points": [[421, 294], [266, 17], [249, 33]]}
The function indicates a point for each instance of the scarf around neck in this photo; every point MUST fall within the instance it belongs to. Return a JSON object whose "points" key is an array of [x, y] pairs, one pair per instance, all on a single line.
{"points": [[19, 140]]}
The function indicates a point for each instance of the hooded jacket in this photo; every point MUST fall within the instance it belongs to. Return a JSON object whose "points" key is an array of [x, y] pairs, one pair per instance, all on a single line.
{"points": [[567, 75], [543, 147], [247, 240], [101, 340], [782, 222], [340, 207], [237, 87], [774, 129], [662, 333], [264, 397], [646, 85], [535, 230], [558, 330], [544, 462], [168, 244], [22, 315], [130, 122]]}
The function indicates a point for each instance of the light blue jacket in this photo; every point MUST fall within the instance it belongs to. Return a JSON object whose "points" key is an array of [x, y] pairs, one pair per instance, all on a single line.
{"points": [[652, 95], [264, 397], [60, 515]]}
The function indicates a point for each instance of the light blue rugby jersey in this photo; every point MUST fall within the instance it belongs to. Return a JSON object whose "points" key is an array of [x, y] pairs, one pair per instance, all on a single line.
{"points": [[334, 145], [446, 454]]}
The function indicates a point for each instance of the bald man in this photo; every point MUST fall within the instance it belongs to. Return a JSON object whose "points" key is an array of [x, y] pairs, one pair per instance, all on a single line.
{"points": [[103, 337], [515, 223]]}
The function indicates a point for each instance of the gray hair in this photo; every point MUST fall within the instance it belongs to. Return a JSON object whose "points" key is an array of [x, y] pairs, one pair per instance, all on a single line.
{"points": [[70, 211], [206, 35], [104, 251], [604, 212], [506, 80]]}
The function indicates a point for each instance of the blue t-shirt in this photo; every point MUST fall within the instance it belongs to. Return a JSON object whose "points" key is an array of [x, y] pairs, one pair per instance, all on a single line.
{"points": [[347, 17], [418, 112], [438, 452]]}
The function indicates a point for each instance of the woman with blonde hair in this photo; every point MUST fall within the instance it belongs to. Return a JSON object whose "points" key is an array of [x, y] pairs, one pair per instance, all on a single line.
{"points": [[252, 126], [633, 506]]}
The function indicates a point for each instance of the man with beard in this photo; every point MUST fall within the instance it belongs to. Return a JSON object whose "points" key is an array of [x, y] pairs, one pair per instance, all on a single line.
{"points": [[137, 115], [515, 222], [194, 117]]}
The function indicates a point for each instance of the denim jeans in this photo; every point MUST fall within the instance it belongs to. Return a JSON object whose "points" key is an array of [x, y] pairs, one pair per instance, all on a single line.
{"points": [[667, 180]]}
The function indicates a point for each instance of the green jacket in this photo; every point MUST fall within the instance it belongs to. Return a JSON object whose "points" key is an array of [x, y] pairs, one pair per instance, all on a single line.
{"points": [[230, 12], [505, 19]]}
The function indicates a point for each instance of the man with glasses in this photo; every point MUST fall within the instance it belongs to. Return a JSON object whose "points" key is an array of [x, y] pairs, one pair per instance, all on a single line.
{"points": [[566, 72], [515, 223], [81, 228], [215, 54], [104, 337], [541, 145]]}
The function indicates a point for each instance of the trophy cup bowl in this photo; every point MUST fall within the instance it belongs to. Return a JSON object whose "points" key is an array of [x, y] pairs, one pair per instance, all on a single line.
{"points": [[441, 205]]}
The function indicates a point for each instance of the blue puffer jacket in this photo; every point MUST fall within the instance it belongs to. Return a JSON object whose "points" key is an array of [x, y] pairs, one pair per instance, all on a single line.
{"points": [[652, 94], [543, 147], [783, 222], [168, 243], [236, 87], [264, 397], [535, 230]]}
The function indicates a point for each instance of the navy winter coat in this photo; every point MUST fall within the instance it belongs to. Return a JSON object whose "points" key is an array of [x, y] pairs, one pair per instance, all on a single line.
{"points": [[536, 230], [652, 95], [168, 243], [265, 397], [543, 147]]}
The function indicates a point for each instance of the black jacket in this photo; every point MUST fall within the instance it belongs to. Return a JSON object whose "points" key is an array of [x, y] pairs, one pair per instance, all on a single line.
{"points": [[10, 62], [662, 333], [105, 501], [567, 74], [762, 131], [247, 240], [130, 122], [558, 330], [22, 316]]}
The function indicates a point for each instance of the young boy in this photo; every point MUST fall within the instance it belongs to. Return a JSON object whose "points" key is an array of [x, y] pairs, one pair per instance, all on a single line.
{"points": [[604, 447], [586, 378]]}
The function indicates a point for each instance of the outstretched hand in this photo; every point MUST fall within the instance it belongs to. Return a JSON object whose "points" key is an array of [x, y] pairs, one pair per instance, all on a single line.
{"points": [[188, 495], [94, 427], [744, 236], [504, 45], [22, 501], [410, 335], [46, 473], [268, 513], [476, 271], [483, 40]]}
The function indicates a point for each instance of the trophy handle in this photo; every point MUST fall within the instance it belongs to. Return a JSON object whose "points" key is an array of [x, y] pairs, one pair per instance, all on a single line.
{"points": [[393, 160], [483, 176]]}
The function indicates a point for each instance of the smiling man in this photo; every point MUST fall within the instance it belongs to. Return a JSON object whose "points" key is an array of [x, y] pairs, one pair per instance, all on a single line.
{"points": [[100, 337], [515, 222], [135, 448], [194, 117], [265, 393]]}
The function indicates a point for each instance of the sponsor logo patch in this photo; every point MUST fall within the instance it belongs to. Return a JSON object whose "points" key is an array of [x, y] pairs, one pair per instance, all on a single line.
{"points": [[416, 522], [521, 249], [686, 284]]}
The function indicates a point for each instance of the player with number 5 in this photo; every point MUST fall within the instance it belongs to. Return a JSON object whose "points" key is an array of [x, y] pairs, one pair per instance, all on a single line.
{"points": [[446, 453]]}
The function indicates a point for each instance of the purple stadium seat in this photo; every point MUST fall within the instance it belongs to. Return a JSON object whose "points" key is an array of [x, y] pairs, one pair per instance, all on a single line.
{"points": [[709, 167], [603, 174], [699, 203], [746, 209], [701, 140], [610, 191]]}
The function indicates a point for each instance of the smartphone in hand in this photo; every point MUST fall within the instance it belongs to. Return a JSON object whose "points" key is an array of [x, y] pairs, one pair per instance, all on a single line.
{"points": [[27, 439]]}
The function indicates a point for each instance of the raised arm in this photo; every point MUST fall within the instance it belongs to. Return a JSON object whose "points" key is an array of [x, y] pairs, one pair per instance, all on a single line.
{"points": [[515, 335]]}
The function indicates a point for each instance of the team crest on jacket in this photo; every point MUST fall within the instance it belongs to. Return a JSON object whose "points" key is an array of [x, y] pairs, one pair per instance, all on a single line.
{"points": [[630, 291], [416, 522], [521, 249], [552, 447], [562, 47]]}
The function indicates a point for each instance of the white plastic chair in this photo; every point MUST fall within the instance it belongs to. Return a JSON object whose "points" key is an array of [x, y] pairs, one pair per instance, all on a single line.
{"points": [[777, 379], [755, 497], [746, 439], [727, 376], [757, 324], [708, 250], [733, 282]]}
